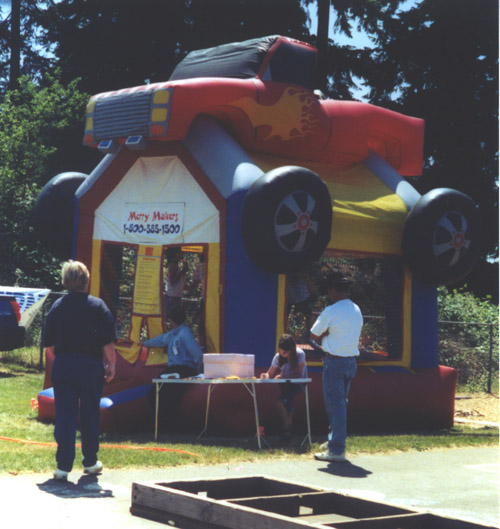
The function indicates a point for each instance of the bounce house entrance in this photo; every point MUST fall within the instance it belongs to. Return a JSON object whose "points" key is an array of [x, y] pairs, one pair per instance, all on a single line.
{"points": [[141, 285]]}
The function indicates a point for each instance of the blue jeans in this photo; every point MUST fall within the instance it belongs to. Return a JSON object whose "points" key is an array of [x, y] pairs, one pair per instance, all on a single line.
{"points": [[288, 394], [78, 381], [337, 376]]}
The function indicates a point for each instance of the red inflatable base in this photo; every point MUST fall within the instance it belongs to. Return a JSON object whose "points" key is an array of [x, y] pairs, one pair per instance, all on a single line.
{"points": [[383, 400], [420, 399], [125, 407], [128, 406]]}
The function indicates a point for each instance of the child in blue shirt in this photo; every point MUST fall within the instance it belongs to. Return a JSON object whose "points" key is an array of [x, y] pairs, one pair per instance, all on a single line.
{"points": [[184, 354]]}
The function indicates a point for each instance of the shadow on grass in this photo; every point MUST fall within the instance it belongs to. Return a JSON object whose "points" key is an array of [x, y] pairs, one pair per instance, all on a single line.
{"points": [[15, 370], [215, 447], [247, 443]]}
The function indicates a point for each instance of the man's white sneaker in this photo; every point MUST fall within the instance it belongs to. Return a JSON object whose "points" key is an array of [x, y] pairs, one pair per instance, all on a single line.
{"points": [[330, 456], [60, 475], [94, 469]]}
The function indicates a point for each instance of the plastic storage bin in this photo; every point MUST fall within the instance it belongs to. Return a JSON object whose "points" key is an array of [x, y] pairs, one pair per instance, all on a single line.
{"points": [[228, 364]]}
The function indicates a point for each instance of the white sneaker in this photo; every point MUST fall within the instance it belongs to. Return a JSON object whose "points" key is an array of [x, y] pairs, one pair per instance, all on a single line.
{"points": [[60, 475], [330, 456], [94, 469]]}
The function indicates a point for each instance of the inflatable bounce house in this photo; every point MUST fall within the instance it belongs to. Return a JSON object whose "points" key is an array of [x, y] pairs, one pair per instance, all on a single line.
{"points": [[239, 172]]}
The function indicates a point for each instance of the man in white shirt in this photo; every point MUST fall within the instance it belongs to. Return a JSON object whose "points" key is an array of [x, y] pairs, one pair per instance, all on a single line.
{"points": [[338, 329]]}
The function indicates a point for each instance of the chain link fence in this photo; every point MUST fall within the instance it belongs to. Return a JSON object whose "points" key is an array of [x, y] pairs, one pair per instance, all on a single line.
{"points": [[472, 349]]}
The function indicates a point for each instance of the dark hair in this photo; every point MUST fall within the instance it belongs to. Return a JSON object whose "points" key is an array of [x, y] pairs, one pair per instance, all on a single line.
{"points": [[177, 315], [287, 343], [173, 252], [338, 281]]}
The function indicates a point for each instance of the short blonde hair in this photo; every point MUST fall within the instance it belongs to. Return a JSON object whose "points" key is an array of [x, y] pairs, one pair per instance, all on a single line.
{"points": [[75, 276]]}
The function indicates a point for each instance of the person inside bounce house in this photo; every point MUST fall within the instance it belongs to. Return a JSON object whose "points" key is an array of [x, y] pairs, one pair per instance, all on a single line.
{"points": [[174, 283]]}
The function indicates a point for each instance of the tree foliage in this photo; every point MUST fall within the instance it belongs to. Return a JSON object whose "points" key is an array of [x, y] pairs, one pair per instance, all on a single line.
{"points": [[21, 49], [439, 61], [468, 337], [120, 43], [32, 122]]}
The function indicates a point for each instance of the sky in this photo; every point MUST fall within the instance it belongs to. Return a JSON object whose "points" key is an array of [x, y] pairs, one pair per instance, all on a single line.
{"points": [[359, 39], [5, 5]]}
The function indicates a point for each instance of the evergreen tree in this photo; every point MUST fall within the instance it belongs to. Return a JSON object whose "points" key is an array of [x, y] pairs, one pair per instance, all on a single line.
{"points": [[21, 50], [120, 43], [439, 61]]}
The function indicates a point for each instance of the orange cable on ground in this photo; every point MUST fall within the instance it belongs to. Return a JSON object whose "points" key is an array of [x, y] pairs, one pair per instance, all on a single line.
{"points": [[125, 447]]}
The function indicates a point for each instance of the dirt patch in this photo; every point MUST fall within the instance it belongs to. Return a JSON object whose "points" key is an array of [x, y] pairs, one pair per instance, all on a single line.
{"points": [[477, 407]]}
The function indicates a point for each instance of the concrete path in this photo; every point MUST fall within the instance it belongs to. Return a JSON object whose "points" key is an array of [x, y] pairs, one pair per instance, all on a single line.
{"points": [[461, 483]]}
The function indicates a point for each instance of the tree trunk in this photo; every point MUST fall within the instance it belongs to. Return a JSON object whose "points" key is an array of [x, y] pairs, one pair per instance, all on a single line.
{"points": [[323, 25], [15, 43]]}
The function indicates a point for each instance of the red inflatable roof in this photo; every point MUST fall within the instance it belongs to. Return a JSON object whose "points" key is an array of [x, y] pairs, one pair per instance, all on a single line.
{"points": [[261, 91]]}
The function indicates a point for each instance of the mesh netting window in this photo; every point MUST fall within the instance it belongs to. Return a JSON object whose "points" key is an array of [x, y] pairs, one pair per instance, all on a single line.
{"points": [[118, 266], [377, 289], [117, 283], [186, 268]]}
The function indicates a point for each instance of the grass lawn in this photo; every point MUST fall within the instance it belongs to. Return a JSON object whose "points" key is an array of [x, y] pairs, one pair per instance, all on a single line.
{"points": [[20, 382]]}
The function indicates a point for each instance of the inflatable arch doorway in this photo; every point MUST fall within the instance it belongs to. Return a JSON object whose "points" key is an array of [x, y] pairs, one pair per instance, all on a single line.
{"points": [[255, 183]]}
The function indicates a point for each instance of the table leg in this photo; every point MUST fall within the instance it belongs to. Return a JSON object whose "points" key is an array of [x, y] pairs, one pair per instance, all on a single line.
{"points": [[209, 391], [308, 420], [256, 411], [156, 409]]}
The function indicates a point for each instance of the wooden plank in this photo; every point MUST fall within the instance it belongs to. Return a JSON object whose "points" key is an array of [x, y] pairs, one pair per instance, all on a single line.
{"points": [[234, 488], [403, 521], [206, 510], [330, 519], [409, 521], [173, 520], [287, 505], [356, 508], [195, 509], [319, 503]]}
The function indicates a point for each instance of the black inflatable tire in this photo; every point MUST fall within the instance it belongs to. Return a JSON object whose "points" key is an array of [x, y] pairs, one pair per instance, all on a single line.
{"points": [[281, 239], [441, 237], [54, 211]]}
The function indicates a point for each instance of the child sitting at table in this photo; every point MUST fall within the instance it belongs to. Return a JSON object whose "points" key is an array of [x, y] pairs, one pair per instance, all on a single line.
{"points": [[288, 362]]}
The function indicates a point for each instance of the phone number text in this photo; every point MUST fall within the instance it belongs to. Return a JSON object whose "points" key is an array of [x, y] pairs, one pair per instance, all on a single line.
{"points": [[152, 229]]}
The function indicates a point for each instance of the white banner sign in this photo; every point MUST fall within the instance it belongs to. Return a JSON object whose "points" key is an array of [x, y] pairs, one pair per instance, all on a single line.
{"points": [[161, 221]]}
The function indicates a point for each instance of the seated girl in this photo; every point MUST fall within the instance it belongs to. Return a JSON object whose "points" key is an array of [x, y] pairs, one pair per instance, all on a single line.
{"points": [[288, 362]]}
